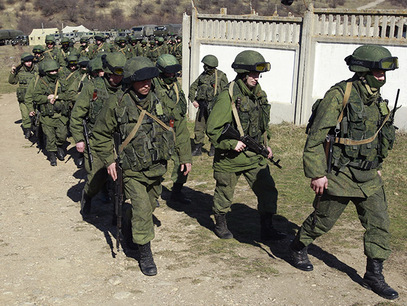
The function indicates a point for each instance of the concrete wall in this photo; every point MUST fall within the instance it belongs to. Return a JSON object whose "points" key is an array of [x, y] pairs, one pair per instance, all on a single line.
{"points": [[306, 54]]}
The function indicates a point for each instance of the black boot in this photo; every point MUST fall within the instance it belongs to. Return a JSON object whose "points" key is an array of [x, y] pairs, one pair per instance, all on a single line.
{"points": [[147, 264], [52, 158], [178, 196], [197, 151], [85, 204], [61, 153], [212, 151], [374, 280], [299, 256], [221, 227], [80, 161], [267, 231], [27, 133]]}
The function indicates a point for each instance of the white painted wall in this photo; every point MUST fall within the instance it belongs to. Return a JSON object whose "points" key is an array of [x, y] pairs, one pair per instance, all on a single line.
{"points": [[277, 83]]}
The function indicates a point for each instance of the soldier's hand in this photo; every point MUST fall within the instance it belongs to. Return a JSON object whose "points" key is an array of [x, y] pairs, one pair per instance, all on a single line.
{"points": [[186, 168], [32, 114], [240, 146], [379, 172], [270, 155], [319, 184], [13, 69], [80, 147], [51, 99], [195, 104], [111, 170]]}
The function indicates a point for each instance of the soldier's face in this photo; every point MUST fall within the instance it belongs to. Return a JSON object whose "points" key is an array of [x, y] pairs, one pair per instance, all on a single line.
{"points": [[252, 79], [142, 88], [380, 75], [114, 79], [28, 64]]}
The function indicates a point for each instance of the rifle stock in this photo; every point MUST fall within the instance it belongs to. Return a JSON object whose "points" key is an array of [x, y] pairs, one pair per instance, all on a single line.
{"points": [[86, 134]]}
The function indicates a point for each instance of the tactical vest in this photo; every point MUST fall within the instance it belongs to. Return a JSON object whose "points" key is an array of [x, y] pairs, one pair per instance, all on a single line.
{"points": [[59, 107], [361, 121], [99, 97], [24, 77], [206, 87], [172, 96], [152, 143], [254, 114]]}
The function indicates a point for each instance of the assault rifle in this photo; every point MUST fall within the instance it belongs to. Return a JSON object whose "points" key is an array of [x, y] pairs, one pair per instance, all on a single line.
{"points": [[229, 132], [393, 112], [86, 134], [118, 191]]}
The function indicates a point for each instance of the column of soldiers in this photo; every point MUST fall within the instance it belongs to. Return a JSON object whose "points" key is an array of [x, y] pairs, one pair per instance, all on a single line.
{"points": [[133, 92]]}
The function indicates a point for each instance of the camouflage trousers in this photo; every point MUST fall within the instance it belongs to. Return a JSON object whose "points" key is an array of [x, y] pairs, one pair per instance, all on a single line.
{"points": [[373, 215], [55, 134], [260, 181], [177, 176], [97, 177], [143, 193], [25, 117], [200, 128]]}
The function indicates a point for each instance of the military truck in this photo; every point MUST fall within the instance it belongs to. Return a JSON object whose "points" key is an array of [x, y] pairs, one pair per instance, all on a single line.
{"points": [[6, 36]]}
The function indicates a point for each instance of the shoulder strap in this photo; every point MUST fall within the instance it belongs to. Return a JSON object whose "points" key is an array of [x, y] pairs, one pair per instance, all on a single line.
{"points": [[345, 101], [176, 91], [216, 82], [138, 124], [234, 110]]}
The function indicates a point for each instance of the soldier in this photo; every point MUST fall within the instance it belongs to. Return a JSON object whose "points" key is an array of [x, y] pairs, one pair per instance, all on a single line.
{"points": [[52, 52], [148, 143], [244, 105], [356, 162], [22, 75], [52, 98], [153, 51], [38, 52], [121, 46], [203, 92], [169, 92], [144, 47], [66, 48], [162, 46], [70, 73], [84, 46], [178, 49], [99, 47], [88, 106]]}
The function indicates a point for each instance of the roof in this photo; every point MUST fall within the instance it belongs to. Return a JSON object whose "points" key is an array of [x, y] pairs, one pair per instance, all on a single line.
{"points": [[40, 32], [80, 28]]}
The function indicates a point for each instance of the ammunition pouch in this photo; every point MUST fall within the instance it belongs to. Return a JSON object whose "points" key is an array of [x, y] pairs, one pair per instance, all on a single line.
{"points": [[21, 94]]}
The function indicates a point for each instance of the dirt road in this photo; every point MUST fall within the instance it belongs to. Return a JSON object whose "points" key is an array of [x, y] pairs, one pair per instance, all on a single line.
{"points": [[49, 256]]}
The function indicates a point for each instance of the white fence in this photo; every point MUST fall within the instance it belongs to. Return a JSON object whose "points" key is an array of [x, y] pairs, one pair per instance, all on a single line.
{"points": [[306, 54]]}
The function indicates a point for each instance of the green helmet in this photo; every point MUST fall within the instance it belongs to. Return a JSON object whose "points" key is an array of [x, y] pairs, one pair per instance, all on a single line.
{"points": [[167, 63], [160, 40], [120, 39], [371, 57], [95, 64], [27, 57], [138, 69], [38, 49], [210, 60], [72, 59], [50, 39], [83, 61], [250, 61], [49, 65], [99, 37], [84, 40], [113, 62], [65, 40], [144, 41]]}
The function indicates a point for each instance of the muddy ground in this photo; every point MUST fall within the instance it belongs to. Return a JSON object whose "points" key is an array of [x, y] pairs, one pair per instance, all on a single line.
{"points": [[50, 256]]}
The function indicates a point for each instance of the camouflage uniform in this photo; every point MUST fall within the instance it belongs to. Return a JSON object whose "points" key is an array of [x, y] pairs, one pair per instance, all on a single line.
{"points": [[203, 90], [142, 169], [22, 77]]}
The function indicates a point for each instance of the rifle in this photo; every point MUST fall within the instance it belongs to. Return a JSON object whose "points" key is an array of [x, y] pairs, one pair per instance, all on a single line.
{"points": [[118, 191], [18, 68], [203, 109], [328, 146], [393, 112], [86, 134], [229, 132]]}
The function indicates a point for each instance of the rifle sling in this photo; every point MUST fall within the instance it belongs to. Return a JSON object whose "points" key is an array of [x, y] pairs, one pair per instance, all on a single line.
{"points": [[234, 110], [348, 141], [138, 124]]}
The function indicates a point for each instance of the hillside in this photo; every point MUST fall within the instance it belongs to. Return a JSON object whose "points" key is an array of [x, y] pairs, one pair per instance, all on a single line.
{"points": [[107, 14]]}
